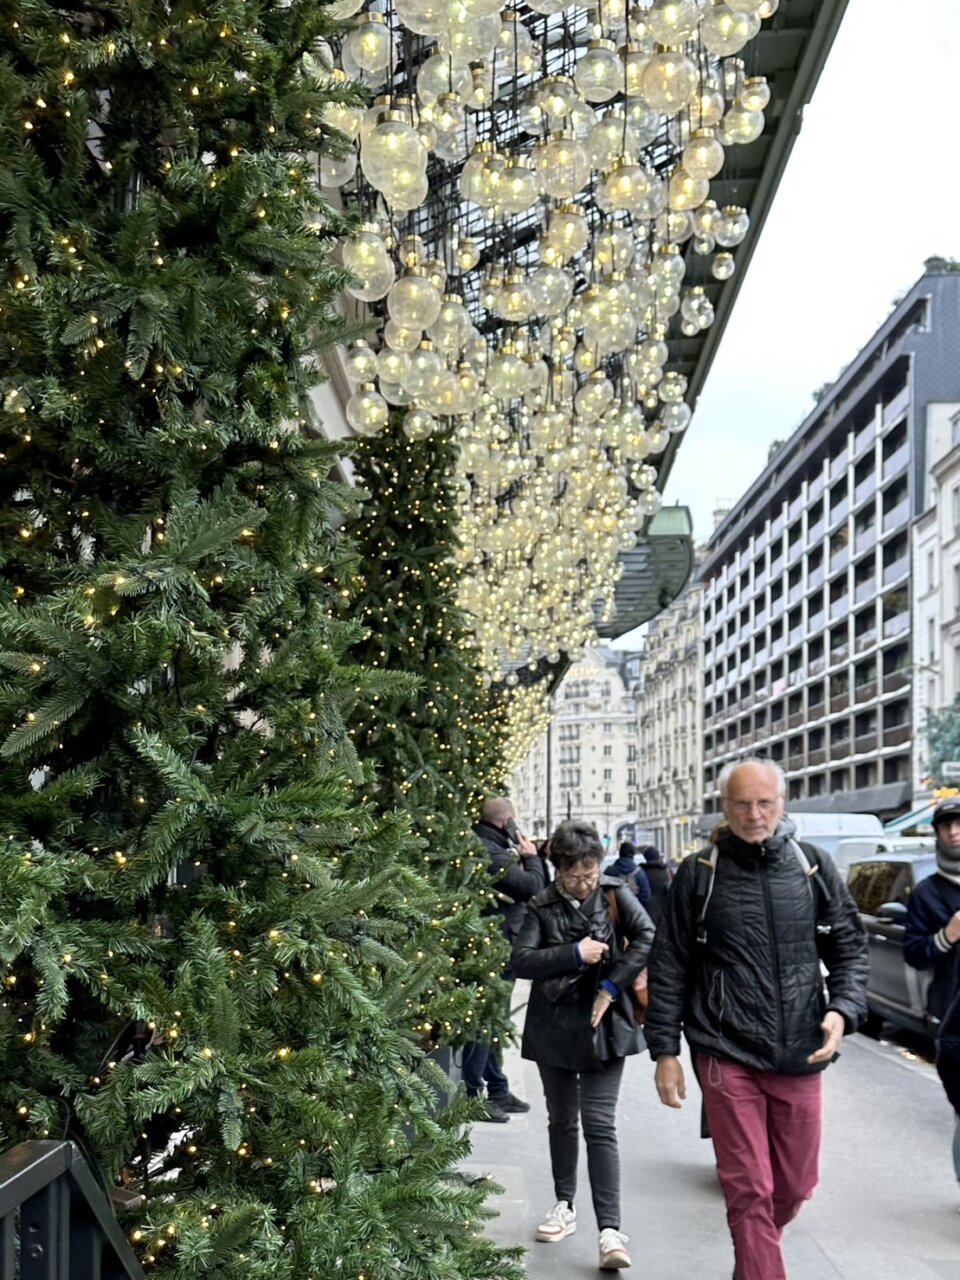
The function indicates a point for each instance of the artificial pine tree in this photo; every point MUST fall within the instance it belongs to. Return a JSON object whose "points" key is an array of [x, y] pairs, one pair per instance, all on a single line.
{"points": [[436, 754], [211, 949]]}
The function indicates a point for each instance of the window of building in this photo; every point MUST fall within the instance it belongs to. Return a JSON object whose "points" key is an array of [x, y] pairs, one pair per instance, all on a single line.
{"points": [[608, 750], [608, 775], [931, 638], [955, 507], [607, 797], [607, 727], [930, 571]]}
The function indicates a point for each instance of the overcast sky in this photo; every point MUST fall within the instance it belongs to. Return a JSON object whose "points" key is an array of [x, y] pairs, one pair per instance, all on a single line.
{"points": [[871, 190]]}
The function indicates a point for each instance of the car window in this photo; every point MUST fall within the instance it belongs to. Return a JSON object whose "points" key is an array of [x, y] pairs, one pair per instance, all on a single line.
{"points": [[878, 881]]}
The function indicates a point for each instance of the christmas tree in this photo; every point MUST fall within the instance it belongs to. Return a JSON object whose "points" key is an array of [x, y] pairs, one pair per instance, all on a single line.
{"points": [[438, 753], [211, 948]]}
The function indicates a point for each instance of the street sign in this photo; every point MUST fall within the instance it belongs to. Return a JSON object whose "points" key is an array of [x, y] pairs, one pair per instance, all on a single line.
{"points": [[950, 770]]}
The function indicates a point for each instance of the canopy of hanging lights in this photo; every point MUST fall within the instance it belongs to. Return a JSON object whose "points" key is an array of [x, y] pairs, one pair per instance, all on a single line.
{"points": [[534, 182]]}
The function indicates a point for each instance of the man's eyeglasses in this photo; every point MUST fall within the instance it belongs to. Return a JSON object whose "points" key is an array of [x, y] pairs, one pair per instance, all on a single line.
{"points": [[746, 806]]}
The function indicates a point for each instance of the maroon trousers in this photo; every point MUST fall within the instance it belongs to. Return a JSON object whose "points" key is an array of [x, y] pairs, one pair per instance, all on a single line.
{"points": [[766, 1135]]}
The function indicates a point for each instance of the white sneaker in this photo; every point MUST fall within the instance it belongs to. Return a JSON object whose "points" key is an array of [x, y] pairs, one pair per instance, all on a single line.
{"points": [[613, 1254], [559, 1223]]}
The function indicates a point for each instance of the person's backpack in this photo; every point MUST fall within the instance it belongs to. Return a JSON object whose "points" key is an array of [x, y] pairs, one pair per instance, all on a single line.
{"points": [[810, 864]]}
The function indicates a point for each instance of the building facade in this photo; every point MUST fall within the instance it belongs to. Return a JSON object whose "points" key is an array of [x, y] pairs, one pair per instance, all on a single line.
{"points": [[809, 606], [585, 765], [670, 727]]}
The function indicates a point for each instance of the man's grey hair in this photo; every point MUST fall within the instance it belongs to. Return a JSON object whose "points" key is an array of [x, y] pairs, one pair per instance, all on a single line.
{"points": [[726, 773], [496, 809]]}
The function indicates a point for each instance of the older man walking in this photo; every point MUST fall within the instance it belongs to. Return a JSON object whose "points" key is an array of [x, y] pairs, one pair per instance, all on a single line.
{"points": [[736, 967]]}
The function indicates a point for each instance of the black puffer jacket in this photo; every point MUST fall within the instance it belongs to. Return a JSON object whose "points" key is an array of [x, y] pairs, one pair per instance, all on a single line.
{"points": [[557, 1031], [515, 879], [753, 992]]}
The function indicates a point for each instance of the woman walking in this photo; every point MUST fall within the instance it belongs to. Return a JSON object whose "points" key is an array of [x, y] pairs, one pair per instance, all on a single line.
{"points": [[583, 941]]}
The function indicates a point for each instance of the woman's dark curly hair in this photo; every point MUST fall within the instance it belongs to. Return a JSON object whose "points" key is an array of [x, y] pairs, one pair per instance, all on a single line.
{"points": [[573, 843]]}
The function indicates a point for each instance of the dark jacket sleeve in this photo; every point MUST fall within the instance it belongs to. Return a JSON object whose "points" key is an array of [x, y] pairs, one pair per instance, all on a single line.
{"points": [[644, 892], [670, 964], [531, 959], [844, 949], [518, 878], [924, 944], [637, 927]]}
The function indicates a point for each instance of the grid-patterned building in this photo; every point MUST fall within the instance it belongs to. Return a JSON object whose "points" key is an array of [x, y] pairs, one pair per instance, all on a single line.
{"points": [[808, 605]]}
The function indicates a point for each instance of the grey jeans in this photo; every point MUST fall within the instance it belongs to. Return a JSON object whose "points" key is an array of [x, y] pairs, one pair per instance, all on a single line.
{"points": [[590, 1096]]}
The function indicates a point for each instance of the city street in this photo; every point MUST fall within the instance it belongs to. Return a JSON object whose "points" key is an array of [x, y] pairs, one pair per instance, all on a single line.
{"points": [[886, 1207]]}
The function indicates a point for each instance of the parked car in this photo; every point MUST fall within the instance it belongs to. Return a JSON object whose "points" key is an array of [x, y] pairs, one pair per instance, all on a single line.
{"points": [[881, 887], [856, 848]]}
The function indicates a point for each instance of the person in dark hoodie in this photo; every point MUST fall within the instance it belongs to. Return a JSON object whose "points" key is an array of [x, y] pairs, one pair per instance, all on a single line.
{"points": [[625, 868], [518, 872], [736, 967], [659, 877], [932, 941]]}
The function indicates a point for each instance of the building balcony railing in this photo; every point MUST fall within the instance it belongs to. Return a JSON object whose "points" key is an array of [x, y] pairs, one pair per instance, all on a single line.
{"points": [[796, 677], [838, 465], [795, 719], [839, 653], [898, 569], [778, 525], [816, 757], [816, 621], [896, 680], [839, 607], [760, 657], [817, 666], [897, 736], [760, 619], [866, 487], [760, 581], [795, 593], [778, 647], [839, 702], [776, 568], [866, 742], [865, 690], [795, 507], [839, 748], [896, 516], [897, 625], [839, 512], [815, 488], [865, 539], [865, 591], [864, 437], [839, 559], [778, 726], [896, 462], [896, 407], [777, 607], [864, 640], [815, 532], [797, 760], [795, 550]]}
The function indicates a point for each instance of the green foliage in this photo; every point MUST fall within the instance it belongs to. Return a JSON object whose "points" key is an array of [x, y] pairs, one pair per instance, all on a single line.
{"points": [[439, 753], [212, 949], [943, 741]]}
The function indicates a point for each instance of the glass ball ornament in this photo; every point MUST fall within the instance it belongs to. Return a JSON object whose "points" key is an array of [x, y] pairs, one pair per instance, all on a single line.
{"points": [[705, 219], [743, 6], [449, 113], [455, 147], [673, 387], [519, 190], [563, 166], [443, 397], [672, 21], [392, 143], [767, 8], [645, 122], [723, 266], [450, 329], [594, 397], [369, 44], [697, 308], [613, 249], [361, 363], [709, 106], [413, 302], [552, 289], [399, 338], [423, 371], [392, 365], [506, 374], [472, 38], [556, 96], [467, 253], [703, 155], [704, 245], [676, 417], [367, 411], [516, 53], [610, 140], [725, 32], [635, 57], [731, 226], [418, 424], [755, 94], [599, 72], [344, 118], [740, 127], [626, 187], [439, 75], [366, 257], [686, 191], [670, 81], [515, 302], [581, 119], [422, 17], [394, 394], [336, 171]]}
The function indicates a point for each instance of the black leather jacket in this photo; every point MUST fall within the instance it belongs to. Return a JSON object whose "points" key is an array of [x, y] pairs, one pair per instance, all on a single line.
{"points": [[752, 992], [515, 880], [557, 1031]]}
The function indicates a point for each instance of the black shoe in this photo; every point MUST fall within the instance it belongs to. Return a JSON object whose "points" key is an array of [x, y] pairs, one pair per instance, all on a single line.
{"points": [[509, 1102], [495, 1114]]}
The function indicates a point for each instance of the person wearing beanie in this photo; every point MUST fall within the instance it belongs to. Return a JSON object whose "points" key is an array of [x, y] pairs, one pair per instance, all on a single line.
{"points": [[659, 877], [625, 869], [932, 941]]}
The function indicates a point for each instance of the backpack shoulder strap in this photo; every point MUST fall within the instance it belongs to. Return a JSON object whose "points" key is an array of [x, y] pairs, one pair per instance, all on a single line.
{"points": [[703, 888], [806, 855], [611, 897]]}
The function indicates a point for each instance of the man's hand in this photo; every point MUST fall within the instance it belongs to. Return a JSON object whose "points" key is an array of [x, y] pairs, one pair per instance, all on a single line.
{"points": [[526, 848], [601, 1003], [833, 1027], [670, 1082], [951, 930], [592, 951]]}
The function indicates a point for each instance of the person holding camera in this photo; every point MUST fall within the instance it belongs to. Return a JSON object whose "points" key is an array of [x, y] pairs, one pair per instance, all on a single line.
{"points": [[583, 941], [518, 873]]}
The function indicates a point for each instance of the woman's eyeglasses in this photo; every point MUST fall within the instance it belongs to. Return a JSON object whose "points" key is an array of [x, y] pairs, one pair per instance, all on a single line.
{"points": [[592, 878]]}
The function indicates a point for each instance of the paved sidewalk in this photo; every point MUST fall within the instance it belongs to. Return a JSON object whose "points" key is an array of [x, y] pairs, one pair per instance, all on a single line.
{"points": [[885, 1208]]}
